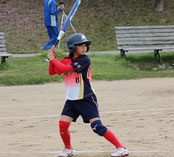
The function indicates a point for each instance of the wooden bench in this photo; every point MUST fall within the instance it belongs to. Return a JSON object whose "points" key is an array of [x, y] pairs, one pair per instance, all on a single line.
{"points": [[3, 53], [138, 38]]}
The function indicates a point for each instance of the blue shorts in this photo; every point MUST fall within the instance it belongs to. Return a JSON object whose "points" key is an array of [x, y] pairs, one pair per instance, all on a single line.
{"points": [[87, 108]]}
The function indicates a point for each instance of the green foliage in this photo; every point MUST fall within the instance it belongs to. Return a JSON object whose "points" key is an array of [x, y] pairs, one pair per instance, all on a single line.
{"points": [[34, 70], [25, 31]]}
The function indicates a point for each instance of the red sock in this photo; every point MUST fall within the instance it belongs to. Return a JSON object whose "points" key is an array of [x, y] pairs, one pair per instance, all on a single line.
{"points": [[65, 134], [112, 138]]}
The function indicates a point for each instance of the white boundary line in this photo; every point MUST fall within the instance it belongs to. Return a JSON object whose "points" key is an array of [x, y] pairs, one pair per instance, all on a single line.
{"points": [[80, 152], [139, 110], [57, 116], [29, 117]]}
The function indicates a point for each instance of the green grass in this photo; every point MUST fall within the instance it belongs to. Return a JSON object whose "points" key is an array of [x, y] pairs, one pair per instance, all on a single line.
{"points": [[111, 67], [34, 70], [25, 71]]}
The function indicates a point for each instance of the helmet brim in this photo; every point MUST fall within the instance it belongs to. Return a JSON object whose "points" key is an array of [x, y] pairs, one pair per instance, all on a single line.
{"points": [[86, 41]]}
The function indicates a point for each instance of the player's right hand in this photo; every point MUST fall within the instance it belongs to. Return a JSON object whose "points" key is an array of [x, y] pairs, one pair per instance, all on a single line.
{"points": [[50, 55]]}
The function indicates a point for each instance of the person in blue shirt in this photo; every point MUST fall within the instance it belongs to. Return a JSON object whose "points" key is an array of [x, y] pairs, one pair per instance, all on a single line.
{"points": [[51, 11]]}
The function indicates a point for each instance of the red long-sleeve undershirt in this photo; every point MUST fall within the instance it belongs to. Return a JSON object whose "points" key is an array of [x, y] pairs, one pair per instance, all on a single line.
{"points": [[57, 67]]}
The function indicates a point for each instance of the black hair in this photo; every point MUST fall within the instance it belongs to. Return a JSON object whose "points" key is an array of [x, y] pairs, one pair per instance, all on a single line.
{"points": [[71, 55]]}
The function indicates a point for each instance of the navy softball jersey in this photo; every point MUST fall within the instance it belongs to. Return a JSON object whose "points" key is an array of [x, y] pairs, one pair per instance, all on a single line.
{"points": [[81, 99]]}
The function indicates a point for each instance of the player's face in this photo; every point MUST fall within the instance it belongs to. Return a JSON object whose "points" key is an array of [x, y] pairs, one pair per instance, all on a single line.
{"points": [[81, 49]]}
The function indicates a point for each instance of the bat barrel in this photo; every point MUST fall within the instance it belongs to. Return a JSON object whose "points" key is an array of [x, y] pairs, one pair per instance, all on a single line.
{"points": [[67, 22]]}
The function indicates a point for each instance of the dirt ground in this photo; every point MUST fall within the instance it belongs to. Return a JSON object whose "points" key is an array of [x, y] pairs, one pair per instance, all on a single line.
{"points": [[139, 112]]}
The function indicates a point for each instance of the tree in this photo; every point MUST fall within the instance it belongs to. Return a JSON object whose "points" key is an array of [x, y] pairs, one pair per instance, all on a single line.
{"points": [[159, 5]]}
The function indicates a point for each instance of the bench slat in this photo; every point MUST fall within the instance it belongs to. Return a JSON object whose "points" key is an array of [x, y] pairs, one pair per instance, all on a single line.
{"points": [[1, 37], [147, 39], [5, 54], [2, 41], [144, 35], [149, 47], [137, 38], [2, 45], [145, 42], [144, 27], [2, 50], [145, 31]]}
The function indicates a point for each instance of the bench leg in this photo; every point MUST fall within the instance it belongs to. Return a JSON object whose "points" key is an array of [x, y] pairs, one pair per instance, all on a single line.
{"points": [[3, 60], [123, 54], [157, 54]]}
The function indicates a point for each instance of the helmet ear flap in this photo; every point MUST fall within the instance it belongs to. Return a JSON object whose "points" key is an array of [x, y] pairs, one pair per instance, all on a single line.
{"points": [[72, 48]]}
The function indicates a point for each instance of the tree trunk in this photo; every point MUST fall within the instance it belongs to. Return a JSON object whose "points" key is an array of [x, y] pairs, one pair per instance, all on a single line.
{"points": [[159, 5]]}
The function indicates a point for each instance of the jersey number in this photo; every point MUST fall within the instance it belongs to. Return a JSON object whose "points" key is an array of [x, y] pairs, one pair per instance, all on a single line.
{"points": [[77, 80]]}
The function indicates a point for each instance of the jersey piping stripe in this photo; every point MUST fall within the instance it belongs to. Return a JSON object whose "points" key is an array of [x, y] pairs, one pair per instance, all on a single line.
{"points": [[81, 94]]}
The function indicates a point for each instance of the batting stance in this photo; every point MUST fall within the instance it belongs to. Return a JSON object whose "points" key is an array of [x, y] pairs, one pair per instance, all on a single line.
{"points": [[51, 12], [81, 98]]}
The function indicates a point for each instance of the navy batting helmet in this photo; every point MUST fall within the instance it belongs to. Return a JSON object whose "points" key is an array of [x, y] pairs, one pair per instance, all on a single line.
{"points": [[77, 39]]}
